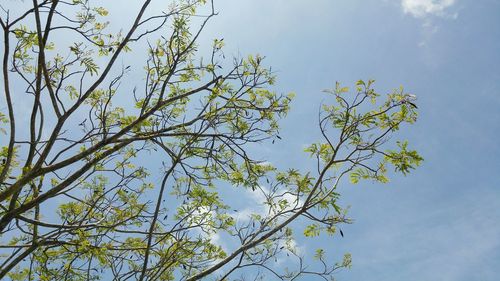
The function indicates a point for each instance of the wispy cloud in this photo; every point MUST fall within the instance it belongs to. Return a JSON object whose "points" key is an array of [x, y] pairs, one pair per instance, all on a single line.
{"points": [[428, 30], [428, 11], [259, 205], [423, 8]]}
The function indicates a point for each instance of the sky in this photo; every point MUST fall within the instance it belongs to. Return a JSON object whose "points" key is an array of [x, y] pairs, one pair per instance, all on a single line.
{"points": [[442, 221]]}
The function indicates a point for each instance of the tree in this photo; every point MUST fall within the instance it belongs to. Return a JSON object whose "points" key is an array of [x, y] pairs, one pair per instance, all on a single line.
{"points": [[83, 195]]}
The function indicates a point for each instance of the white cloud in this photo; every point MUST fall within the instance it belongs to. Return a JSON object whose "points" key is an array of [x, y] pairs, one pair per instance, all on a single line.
{"points": [[422, 8], [427, 11], [258, 204]]}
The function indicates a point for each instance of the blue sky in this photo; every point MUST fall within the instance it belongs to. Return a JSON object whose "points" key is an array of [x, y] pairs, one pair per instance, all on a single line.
{"points": [[442, 221]]}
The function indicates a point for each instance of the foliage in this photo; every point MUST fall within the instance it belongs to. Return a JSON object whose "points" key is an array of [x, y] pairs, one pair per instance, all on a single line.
{"points": [[82, 195]]}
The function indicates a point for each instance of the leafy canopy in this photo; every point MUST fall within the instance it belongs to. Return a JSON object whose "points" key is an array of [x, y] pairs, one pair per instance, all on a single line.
{"points": [[113, 171]]}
